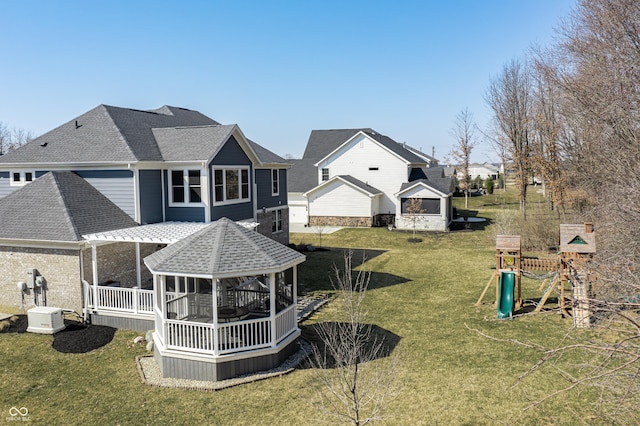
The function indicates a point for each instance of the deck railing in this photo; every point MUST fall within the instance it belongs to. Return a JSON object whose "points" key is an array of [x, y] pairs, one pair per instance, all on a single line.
{"points": [[286, 322], [119, 299], [178, 306]]}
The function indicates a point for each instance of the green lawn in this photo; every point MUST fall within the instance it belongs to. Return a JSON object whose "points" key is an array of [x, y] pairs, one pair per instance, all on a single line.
{"points": [[422, 292]]}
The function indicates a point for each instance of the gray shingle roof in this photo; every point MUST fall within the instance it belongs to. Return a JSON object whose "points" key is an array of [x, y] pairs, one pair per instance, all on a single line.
{"points": [[360, 184], [434, 178], [322, 142], [223, 248], [191, 143], [58, 206], [265, 156], [302, 175]]}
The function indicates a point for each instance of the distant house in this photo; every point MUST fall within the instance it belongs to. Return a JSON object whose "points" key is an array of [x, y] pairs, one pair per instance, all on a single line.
{"points": [[87, 206], [358, 177], [484, 170]]}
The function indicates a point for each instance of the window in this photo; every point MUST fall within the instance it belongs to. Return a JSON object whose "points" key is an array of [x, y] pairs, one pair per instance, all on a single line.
{"points": [[275, 181], [428, 205], [186, 186], [21, 178], [374, 169], [231, 185], [277, 221], [325, 175]]}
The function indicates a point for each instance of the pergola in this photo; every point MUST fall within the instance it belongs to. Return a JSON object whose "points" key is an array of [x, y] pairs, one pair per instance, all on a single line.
{"points": [[224, 302]]}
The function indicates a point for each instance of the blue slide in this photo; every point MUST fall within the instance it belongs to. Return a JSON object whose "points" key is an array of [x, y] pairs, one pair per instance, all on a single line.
{"points": [[505, 294]]}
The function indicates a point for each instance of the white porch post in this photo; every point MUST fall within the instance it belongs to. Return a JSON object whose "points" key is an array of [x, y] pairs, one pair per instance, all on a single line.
{"points": [[94, 271], [295, 284], [138, 272], [272, 307]]}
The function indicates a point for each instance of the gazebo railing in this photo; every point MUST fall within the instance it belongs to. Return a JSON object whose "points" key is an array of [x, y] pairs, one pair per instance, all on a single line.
{"points": [[229, 337]]}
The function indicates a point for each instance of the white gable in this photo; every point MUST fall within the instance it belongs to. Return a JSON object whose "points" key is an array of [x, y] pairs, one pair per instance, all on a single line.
{"points": [[340, 199]]}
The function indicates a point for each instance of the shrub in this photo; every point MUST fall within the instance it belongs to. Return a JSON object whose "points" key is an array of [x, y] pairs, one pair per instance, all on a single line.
{"points": [[488, 185]]}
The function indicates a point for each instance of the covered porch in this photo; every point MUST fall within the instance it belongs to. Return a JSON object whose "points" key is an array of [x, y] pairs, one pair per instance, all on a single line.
{"points": [[224, 303]]}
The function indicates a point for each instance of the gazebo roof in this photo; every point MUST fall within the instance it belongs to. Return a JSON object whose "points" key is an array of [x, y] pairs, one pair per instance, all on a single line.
{"points": [[223, 249]]}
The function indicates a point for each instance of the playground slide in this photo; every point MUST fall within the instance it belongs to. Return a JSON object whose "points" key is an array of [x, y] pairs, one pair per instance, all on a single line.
{"points": [[505, 294]]}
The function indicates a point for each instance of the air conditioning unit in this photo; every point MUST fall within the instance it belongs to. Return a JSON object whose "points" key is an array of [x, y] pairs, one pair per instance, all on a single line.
{"points": [[45, 320]]}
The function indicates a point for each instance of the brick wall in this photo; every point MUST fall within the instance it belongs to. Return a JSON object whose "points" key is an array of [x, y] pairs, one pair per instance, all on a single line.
{"points": [[117, 262], [60, 268], [265, 226]]}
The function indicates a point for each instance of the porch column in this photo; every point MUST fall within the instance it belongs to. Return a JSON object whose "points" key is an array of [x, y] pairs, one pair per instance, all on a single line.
{"points": [[138, 272], [94, 271], [272, 307], [295, 285]]}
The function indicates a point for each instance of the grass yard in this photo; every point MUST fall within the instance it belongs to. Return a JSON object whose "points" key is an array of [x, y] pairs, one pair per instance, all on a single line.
{"points": [[422, 292]]}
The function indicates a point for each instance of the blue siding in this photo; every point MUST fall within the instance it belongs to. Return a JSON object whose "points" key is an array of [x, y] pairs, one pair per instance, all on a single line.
{"points": [[263, 182], [116, 185], [233, 211], [231, 154], [180, 214], [150, 196]]}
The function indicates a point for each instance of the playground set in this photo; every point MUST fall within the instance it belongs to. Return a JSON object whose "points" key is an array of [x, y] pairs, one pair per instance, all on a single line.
{"points": [[570, 268]]}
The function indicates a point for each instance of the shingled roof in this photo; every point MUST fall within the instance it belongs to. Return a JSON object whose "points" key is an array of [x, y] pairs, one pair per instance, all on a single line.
{"points": [[223, 249], [109, 134], [58, 206]]}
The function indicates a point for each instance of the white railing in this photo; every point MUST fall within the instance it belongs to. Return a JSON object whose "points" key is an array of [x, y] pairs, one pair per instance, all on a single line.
{"points": [[286, 322], [179, 306], [131, 300], [231, 337]]}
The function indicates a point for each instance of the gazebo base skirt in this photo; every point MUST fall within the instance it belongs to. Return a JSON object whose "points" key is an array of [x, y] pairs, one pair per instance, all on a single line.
{"points": [[203, 367]]}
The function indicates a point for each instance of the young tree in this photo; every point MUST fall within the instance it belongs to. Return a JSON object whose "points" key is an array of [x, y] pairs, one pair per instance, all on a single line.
{"points": [[350, 388], [464, 133], [414, 210], [509, 96]]}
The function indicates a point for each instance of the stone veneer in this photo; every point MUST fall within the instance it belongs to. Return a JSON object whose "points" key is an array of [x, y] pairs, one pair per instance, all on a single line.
{"points": [[364, 222]]}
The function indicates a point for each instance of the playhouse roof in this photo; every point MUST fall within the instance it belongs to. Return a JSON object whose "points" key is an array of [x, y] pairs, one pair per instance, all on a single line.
{"points": [[223, 249], [577, 238]]}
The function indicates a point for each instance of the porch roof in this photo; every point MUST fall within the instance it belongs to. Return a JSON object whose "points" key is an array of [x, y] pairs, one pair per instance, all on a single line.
{"points": [[156, 233]]}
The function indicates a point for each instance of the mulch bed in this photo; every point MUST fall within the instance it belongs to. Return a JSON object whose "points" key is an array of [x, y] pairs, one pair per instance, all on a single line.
{"points": [[76, 338]]}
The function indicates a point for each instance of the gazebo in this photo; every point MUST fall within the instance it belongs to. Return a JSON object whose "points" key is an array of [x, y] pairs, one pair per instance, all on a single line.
{"points": [[225, 303]]}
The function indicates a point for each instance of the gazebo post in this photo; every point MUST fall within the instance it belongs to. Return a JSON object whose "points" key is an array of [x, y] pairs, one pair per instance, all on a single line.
{"points": [[138, 272], [215, 282], [295, 284], [272, 307]]}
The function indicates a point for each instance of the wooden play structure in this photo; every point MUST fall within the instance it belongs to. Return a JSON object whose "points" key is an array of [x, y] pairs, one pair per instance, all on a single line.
{"points": [[571, 266]]}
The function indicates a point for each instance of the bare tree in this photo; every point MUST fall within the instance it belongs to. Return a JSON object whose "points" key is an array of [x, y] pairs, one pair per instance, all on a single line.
{"points": [[11, 139], [509, 96], [464, 133], [413, 211], [350, 388]]}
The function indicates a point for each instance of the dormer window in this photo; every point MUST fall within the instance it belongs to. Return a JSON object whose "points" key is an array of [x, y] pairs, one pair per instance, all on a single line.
{"points": [[325, 175], [21, 178]]}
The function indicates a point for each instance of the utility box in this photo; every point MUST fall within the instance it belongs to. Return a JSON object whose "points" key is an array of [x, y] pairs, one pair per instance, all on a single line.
{"points": [[45, 320]]}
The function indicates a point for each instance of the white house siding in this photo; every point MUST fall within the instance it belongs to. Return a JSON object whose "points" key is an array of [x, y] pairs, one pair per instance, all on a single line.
{"points": [[357, 157], [339, 199], [432, 222]]}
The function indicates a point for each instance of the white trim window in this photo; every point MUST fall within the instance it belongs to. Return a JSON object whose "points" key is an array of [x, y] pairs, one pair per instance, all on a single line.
{"points": [[325, 174], [276, 225], [275, 182], [185, 187], [230, 185], [21, 178]]}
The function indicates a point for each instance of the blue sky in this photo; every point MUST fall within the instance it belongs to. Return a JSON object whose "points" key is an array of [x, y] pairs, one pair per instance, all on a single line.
{"points": [[278, 69]]}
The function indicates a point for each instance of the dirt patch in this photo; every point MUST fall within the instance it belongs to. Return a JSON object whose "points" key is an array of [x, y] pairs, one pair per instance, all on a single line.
{"points": [[76, 338]]}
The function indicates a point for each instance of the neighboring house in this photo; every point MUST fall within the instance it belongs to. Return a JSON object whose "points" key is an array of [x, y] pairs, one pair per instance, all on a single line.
{"points": [[83, 205], [485, 170], [358, 177]]}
